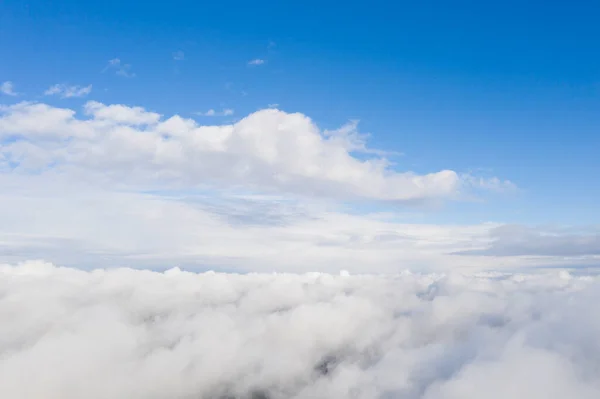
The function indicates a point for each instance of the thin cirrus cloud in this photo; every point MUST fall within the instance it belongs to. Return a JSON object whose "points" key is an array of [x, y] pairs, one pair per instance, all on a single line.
{"points": [[314, 335], [179, 55], [7, 88], [256, 62], [269, 149], [120, 68], [516, 240], [66, 91], [212, 112]]}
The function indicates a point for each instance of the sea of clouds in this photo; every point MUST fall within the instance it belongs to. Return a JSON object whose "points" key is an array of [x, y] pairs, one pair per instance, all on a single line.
{"points": [[124, 333]]}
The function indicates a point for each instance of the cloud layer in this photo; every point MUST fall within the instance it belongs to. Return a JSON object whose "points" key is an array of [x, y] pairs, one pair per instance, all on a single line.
{"points": [[515, 240], [136, 334], [267, 150]]}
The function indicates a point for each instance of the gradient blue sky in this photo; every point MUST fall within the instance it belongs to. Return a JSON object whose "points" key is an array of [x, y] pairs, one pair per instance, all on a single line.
{"points": [[508, 89]]}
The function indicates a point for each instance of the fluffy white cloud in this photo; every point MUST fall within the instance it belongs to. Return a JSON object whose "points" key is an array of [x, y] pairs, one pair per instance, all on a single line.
{"points": [[66, 91], [269, 150], [7, 88], [181, 335], [120, 114]]}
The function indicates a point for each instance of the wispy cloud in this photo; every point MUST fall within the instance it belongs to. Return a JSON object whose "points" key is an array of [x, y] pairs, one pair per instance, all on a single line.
{"points": [[212, 112], [230, 87], [274, 105], [8, 88], [256, 62], [66, 91], [179, 55], [120, 68]]}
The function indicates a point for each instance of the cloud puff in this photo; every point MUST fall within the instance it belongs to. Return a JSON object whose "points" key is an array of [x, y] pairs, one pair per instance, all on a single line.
{"points": [[181, 335], [256, 62], [7, 88], [66, 91], [269, 150], [120, 114], [212, 112], [120, 69]]}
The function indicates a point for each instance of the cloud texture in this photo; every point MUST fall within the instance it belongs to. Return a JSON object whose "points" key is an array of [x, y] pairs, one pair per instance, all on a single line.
{"points": [[268, 150], [132, 334]]}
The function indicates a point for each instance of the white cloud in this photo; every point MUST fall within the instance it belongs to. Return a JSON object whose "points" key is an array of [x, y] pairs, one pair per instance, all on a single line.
{"points": [[121, 114], [84, 220], [7, 88], [119, 68], [516, 240], [77, 190], [66, 332], [66, 91], [212, 112], [179, 55], [79, 221], [256, 61], [269, 150]]}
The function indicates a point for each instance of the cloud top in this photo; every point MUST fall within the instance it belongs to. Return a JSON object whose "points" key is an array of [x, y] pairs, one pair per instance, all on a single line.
{"points": [[165, 335]]}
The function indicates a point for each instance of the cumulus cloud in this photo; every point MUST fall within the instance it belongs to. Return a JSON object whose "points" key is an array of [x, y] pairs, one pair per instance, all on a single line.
{"points": [[181, 335], [256, 62], [66, 91], [269, 149], [120, 114], [120, 68], [8, 88]]}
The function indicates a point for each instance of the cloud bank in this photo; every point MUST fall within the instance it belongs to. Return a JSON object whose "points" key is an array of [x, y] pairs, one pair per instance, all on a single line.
{"points": [[123, 333], [515, 240], [268, 150]]}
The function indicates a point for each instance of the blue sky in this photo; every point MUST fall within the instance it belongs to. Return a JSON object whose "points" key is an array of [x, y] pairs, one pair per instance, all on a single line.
{"points": [[500, 89]]}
